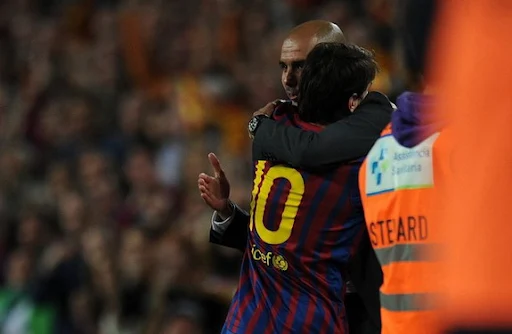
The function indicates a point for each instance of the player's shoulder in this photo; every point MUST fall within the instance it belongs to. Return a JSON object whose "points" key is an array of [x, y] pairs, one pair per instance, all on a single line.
{"points": [[288, 114], [285, 110]]}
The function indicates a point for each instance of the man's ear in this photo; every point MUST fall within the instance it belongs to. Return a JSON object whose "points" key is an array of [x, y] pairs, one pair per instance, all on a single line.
{"points": [[353, 102]]}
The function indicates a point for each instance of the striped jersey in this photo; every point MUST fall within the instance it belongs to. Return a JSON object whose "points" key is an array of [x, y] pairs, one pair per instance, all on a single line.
{"points": [[303, 230]]}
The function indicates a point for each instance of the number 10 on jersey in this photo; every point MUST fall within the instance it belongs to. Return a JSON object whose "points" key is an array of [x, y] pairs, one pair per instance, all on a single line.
{"points": [[260, 195]]}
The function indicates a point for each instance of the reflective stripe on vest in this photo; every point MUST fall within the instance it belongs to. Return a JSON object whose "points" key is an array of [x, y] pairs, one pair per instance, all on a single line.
{"points": [[405, 252], [407, 302]]}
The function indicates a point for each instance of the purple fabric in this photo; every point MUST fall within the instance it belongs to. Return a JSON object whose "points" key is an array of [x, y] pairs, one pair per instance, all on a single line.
{"points": [[413, 121]]}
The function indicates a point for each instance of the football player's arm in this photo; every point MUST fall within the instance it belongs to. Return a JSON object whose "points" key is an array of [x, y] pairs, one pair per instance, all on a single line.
{"points": [[231, 232], [344, 140]]}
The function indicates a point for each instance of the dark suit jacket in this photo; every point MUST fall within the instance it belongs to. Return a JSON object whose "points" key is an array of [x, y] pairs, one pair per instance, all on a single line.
{"points": [[236, 234], [346, 140]]}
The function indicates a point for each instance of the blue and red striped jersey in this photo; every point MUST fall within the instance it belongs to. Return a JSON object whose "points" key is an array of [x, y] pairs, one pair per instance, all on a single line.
{"points": [[303, 230]]}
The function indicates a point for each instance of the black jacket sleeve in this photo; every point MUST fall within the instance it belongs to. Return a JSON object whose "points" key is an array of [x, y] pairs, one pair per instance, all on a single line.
{"points": [[366, 275], [345, 140], [236, 234]]}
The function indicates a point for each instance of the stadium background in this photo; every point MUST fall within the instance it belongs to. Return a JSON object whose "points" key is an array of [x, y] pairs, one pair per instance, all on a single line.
{"points": [[107, 112]]}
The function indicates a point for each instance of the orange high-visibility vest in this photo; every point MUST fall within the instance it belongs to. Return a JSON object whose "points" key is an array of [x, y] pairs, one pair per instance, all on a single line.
{"points": [[399, 191]]}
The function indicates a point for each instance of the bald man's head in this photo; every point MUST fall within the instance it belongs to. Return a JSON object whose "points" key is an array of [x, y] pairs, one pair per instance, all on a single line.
{"points": [[296, 47], [318, 31]]}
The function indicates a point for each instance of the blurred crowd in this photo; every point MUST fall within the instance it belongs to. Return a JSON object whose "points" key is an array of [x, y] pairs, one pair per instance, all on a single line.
{"points": [[107, 111]]}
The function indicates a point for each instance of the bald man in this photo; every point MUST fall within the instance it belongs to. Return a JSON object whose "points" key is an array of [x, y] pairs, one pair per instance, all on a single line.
{"points": [[359, 131]]}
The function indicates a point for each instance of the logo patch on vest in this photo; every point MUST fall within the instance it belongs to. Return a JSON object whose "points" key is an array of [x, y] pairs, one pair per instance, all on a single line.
{"points": [[391, 166]]}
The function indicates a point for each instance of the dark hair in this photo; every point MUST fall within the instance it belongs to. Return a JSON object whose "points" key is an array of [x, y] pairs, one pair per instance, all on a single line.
{"points": [[332, 73]]}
